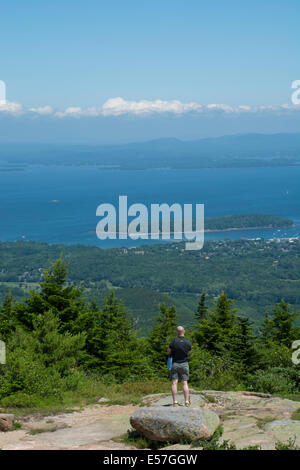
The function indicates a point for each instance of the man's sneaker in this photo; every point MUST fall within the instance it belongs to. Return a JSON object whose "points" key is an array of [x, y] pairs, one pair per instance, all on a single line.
{"points": [[187, 403], [175, 403]]}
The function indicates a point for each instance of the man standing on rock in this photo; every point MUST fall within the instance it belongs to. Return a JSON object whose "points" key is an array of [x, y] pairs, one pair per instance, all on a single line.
{"points": [[179, 350]]}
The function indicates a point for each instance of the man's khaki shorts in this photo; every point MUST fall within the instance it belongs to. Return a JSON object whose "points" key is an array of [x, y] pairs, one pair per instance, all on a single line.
{"points": [[180, 370]]}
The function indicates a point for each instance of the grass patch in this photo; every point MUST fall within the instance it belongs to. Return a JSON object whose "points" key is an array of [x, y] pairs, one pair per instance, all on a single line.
{"points": [[261, 422], [88, 392], [289, 396], [16, 426], [33, 432], [209, 398], [296, 415], [213, 443]]}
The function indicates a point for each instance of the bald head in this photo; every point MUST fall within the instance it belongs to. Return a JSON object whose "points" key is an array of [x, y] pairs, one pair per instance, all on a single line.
{"points": [[180, 331]]}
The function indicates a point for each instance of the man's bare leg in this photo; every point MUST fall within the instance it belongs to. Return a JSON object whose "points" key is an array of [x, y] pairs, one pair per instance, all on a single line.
{"points": [[174, 389], [186, 392]]}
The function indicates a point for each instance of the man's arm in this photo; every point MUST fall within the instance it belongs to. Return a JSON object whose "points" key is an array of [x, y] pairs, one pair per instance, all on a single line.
{"points": [[170, 348]]}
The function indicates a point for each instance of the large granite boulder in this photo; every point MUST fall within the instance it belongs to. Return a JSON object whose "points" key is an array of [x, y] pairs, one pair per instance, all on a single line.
{"points": [[6, 421], [168, 424]]}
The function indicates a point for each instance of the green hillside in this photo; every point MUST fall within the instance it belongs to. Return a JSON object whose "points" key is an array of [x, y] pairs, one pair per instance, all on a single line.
{"points": [[255, 273]]}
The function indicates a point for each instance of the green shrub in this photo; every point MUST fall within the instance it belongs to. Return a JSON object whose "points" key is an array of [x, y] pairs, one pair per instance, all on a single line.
{"points": [[20, 400], [289, 445], [273, 355], [41, 362], [209, 371], [274, 380]]}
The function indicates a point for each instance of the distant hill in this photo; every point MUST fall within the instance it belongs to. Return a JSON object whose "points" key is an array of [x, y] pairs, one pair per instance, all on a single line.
{"points": [[247, 150]]}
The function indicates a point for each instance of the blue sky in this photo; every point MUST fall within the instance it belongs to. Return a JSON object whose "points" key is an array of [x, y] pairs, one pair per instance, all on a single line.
{"points": [[165, 61]]}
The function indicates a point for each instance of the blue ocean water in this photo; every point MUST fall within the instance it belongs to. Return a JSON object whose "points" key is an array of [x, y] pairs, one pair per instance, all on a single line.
{"points": [[57, 204]]}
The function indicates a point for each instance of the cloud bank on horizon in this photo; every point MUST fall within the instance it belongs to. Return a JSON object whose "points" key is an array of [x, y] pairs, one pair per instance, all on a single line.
{"points": [[119, 106]]}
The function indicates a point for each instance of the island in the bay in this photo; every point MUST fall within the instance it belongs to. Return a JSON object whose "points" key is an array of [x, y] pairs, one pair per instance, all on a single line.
{"points": [[235, 222], [246, 222]]}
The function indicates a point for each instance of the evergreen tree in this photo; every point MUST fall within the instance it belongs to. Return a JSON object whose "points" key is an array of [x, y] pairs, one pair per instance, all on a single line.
{"points": [[64, 300], [117, 343], [208, 335], [224, 315], [202, 308], [7, 319], [243, 345], [163, 332], [215, 332], [41, 362], [53, 348], [284, 331], [89, 321], [267, 332]]}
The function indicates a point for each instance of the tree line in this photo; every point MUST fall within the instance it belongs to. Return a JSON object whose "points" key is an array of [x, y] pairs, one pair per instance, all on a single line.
{"points": [[56, 338]]}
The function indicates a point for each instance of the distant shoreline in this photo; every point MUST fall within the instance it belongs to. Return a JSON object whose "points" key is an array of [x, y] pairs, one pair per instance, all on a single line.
{"points": [[249, 228], [233, 229]]}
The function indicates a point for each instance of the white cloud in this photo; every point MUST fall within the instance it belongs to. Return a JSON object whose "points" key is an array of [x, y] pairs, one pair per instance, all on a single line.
{"points": [[119, 106], [77, 111], [10, 107], [221, 107], [42, 110]]}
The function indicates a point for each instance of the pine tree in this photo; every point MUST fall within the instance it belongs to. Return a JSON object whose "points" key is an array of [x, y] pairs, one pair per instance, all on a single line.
{"points": [[224, 314], [243, 345], [202, 308], [89, 321], [7, 319], [53, 348], [41, 362], [117, 343], [283, 323], [215, 332], [64, 300], [267, 332], [163, 332], [208, 335]]}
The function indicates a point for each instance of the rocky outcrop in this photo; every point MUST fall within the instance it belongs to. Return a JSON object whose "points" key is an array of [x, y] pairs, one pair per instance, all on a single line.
{"points": [[247, 418], [164, 399], [282, 428], [168, 424], [6, 421]]}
